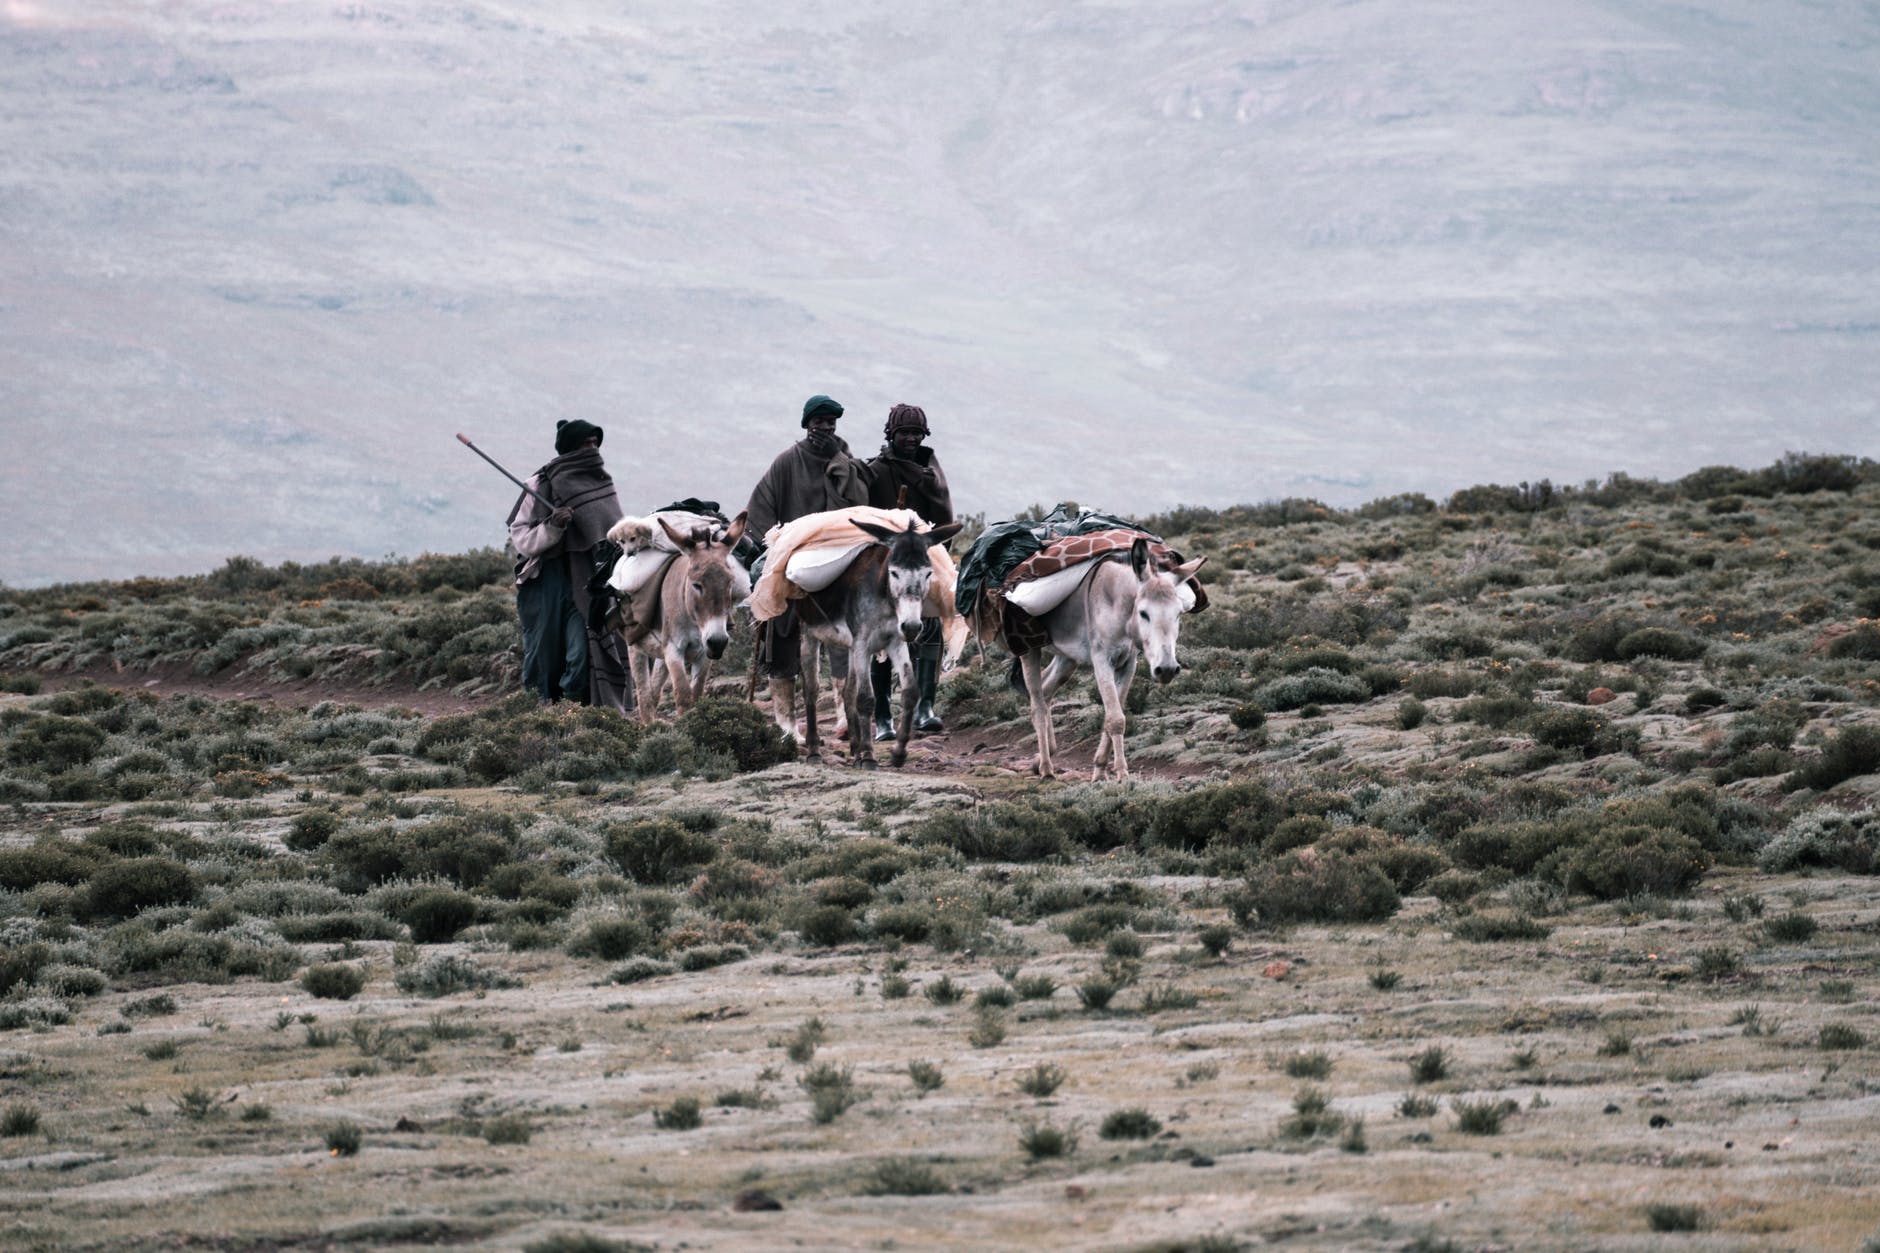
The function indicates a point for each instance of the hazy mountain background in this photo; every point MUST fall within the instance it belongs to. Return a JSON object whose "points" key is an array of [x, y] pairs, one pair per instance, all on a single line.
{"points": [[259, 259]]}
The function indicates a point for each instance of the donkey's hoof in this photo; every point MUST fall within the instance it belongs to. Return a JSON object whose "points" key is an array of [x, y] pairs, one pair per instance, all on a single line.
{"points": [[864, 763], [898, 758], [814, 759]]}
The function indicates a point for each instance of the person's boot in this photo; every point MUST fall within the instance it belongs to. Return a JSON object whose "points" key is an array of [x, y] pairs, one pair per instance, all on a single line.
{"points": [[927, 683], [882, 675]]}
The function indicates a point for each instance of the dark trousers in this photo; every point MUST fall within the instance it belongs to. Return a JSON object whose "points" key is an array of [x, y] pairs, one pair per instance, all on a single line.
{"points": [[562, 657], [781, 649], [554, 637], [926, 647]]}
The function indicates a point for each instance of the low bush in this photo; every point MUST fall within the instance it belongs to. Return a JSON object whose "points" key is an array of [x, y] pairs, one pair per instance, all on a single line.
{"points": [[1307, 886], [123, 888], [1627, 860], [1848, 754], [333, 981], [737, 728], [1826, 838], [1319, 685], [657, 851], [443, 975], [436, 915]]}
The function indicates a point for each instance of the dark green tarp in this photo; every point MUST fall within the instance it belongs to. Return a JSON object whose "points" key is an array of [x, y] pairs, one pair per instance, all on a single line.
{"points": [[1004, 544]]}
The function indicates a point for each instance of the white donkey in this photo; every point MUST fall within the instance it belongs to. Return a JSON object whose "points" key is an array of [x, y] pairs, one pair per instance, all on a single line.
{"points": [[1120, 609]]}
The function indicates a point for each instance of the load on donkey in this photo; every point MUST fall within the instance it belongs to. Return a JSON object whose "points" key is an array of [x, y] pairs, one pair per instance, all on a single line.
{"points": [[1095, 590], [860, 580], [677, 584]]}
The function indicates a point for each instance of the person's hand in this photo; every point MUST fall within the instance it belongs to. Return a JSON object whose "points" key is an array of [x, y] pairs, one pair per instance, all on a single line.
{"points": [[561, 517]]}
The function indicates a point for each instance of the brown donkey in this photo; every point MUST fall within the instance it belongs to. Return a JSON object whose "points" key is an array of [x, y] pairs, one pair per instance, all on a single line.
{"points": [[697, 592]]}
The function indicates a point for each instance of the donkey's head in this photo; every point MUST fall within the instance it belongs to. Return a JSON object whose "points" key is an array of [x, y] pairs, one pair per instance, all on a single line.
{"points": [[1158, 609], [909, 569], [713, 583]]}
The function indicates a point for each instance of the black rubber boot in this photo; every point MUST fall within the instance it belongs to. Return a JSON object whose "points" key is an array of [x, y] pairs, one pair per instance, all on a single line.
{"points": [[883, 676], [927, 683]]}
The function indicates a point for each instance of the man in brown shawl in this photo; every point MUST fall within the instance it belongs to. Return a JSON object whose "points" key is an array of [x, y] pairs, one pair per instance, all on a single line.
{"points": [[813, 475], [565, 655], [906, 473]]}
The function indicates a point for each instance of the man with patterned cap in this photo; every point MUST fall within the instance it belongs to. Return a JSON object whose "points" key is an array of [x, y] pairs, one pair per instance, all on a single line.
{"points": [[565, 655], [813, 475], [906, 473]]}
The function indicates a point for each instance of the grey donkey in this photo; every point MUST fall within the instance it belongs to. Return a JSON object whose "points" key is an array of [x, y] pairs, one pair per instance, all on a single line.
{"points": [[697, 592], [873, 607], [1120, 609]]}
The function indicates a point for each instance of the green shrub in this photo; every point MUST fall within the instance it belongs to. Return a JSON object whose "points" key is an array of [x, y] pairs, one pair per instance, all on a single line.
{"points": [[310, 829], [657, 851], [436, 916], [1825, 837], [1411, 713], [1004, 832], [121, 889], [1627, 860], [53, 743], [1304, 886], [334, 981], [1129, 1124], [827, 925], [51, 860], [1850, 753], [1226, 815], [1839, 1035], [1580, 730], [739, 729], [20, 964], [1318, 685], [903, 1176], [1659, 642], [1794, 927], [614, 938], [507, 1129], [443, 975], [343, 1139], [1495, 925]]}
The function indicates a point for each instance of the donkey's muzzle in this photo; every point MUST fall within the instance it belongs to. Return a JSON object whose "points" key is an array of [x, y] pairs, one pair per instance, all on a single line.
{"points": [[910, 631], [715, 648], [1165, 674]]}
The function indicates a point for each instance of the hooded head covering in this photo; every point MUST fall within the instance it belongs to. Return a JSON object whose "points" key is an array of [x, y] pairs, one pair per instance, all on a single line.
{"points": [[570, 435], [819, 404]]}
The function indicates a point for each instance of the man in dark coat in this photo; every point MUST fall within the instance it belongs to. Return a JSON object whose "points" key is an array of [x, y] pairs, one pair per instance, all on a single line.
{"points": [[813, 475], [565, 654], [906, 472]]}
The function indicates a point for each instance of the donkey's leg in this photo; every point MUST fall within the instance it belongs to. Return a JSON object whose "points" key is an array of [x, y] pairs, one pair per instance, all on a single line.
{"points": [[655, 684], [640, 665], [1059, 670], [1040, 712], [681, 678], [903, 663], [1125, 676], [812, 744], [858, 702], [1113, 719]]}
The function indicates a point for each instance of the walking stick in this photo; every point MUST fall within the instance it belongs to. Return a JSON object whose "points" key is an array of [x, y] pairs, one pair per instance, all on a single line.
{"points": [[550, 505]]}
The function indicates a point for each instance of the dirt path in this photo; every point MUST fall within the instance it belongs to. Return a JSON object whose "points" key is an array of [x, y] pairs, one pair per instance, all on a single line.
{"points": [[965, 751]]}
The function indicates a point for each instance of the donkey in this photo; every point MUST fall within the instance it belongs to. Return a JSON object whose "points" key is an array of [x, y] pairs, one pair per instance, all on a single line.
{"points": [[1120, 609], [697, 592], [872, 607]]}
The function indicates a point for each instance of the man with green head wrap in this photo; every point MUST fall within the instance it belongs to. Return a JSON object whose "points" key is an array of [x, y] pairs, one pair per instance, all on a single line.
{"points": [[813, 475]]}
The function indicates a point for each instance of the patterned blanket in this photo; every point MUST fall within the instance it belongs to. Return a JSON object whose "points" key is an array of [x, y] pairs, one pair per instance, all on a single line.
{"points": [[997, 618]]}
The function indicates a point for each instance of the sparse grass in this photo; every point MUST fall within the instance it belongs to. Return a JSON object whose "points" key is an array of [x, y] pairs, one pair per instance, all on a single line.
{"points": [[1617, 1043], [1664, 1216], [1044, 1140], [1481, 1118], [1034, 987], [804, 1042], [1431, 1065], [1840, 1036], [1794, 927], [1837, 991], [507, 1129], [1042, 1079], [1416, 1105], [1312, 1116], [926, 1076], [1134, 1123], [1313, 1065], [1096, 993], [904, 1176], [943, 991], [343, 1139], [19, 1120], [1385, 980], [681, 1115], [988, 1029]]}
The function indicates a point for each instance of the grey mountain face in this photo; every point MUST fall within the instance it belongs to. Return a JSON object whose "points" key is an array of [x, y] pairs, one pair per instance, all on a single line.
{"points": [[259, 261]]}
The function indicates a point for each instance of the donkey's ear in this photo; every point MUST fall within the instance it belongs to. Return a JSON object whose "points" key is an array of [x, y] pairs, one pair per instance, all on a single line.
{"points": [[941, 534], [881, 534], [735, 531], [683, 540], [1187, 569], [1139, 557]]}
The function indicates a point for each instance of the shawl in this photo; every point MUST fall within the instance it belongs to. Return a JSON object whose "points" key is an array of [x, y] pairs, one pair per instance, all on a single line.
{"points": [[576, 481], [799, 482], [926, 484]]}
